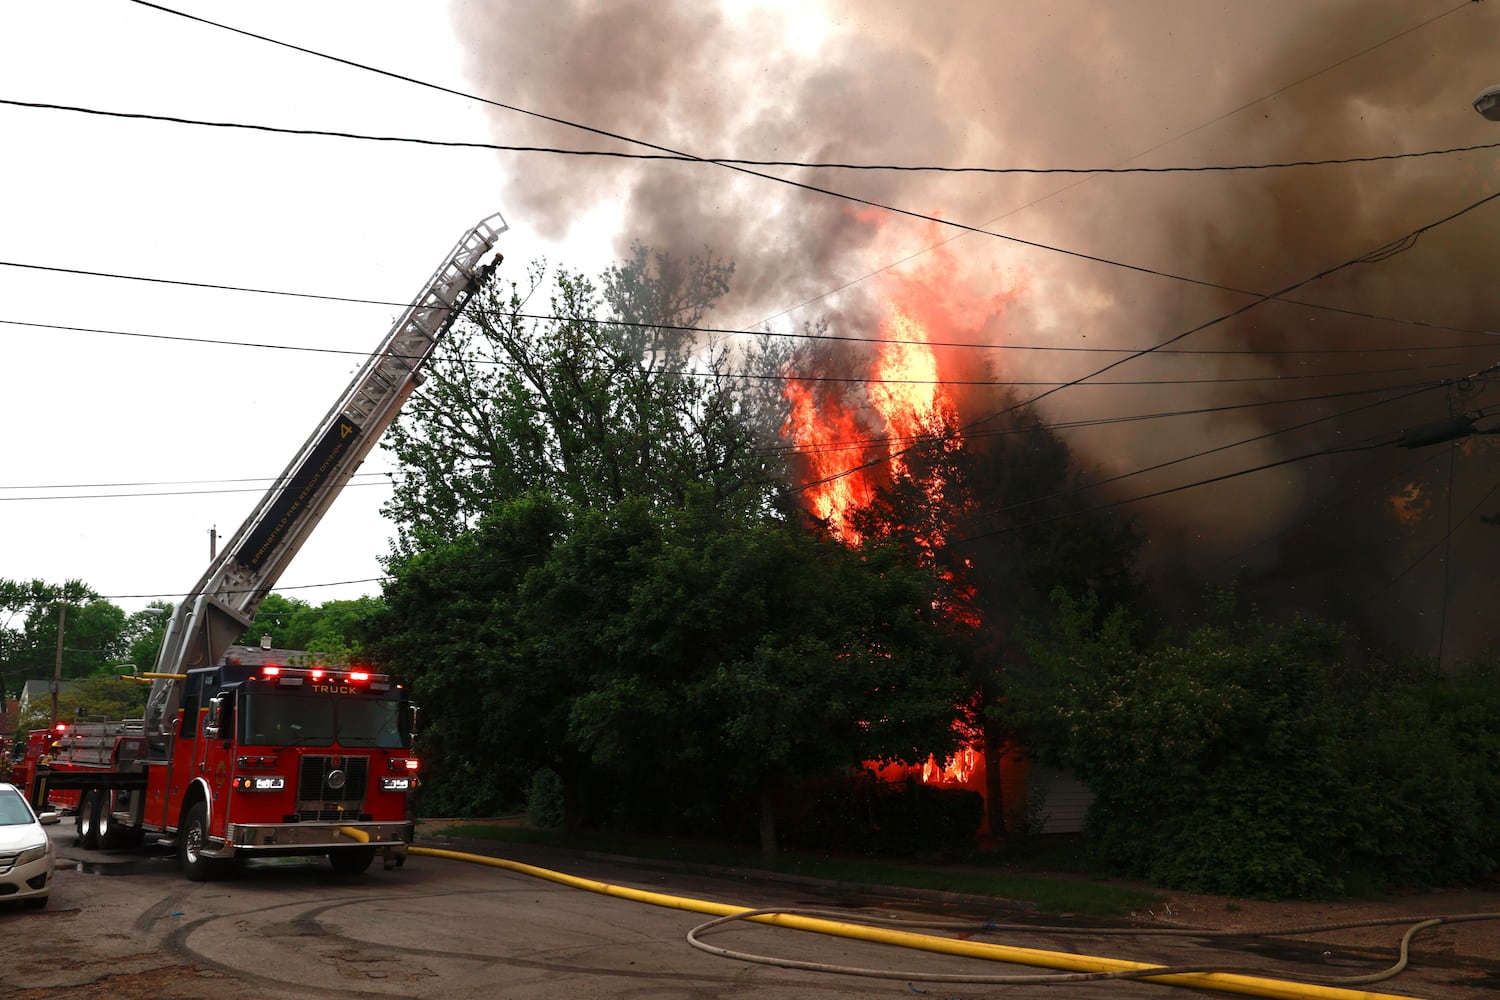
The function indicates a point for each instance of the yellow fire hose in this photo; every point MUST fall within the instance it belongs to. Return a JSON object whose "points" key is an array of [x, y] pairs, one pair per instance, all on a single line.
{"points": [[1092, 966]]}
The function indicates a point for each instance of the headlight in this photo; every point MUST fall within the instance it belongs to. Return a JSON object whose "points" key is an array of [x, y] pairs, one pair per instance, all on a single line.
{"points": [[31, 854], [260, 783]]}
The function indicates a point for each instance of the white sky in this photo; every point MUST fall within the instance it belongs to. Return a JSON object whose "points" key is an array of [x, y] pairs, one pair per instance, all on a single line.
{"points": [[325, 216]]}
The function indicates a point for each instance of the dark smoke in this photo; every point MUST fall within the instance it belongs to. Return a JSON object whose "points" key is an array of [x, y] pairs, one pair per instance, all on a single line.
{"points": [[1080, 83]]}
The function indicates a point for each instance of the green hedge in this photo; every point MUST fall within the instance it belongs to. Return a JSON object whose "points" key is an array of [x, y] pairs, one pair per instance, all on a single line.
{"points": [[1257, 760]]}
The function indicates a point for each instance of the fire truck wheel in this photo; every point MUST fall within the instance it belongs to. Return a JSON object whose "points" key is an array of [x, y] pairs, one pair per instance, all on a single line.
{"points": [[105, 831], [192, 838], [110, 834], [351, 860], [87, 822]]}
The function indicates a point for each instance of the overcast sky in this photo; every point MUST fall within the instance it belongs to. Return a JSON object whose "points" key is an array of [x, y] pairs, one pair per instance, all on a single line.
{"points": [[198, 429], [201, 428]]}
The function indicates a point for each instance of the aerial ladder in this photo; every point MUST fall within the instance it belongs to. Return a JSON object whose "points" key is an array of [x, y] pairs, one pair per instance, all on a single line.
{"points": [[223, 603]]}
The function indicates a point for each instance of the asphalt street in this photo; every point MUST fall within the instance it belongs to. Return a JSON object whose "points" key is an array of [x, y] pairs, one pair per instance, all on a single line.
{"points": [[127, 924]]}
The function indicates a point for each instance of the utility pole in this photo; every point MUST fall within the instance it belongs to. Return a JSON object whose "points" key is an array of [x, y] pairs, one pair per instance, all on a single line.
{"points": [[62, 624]]}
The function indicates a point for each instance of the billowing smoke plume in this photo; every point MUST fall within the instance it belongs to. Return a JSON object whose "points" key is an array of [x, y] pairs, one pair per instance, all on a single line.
{"points": [[1376, 536]]}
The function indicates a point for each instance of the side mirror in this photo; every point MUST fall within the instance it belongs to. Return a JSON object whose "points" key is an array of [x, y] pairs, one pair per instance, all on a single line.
{"points": [[215, 720], [415, 713], [48, 819]]}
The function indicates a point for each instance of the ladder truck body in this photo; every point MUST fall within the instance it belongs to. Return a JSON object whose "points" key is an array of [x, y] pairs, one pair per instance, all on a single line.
{"points": [[237, 759]]}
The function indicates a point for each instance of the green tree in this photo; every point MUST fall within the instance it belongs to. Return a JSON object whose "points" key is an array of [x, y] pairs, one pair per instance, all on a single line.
{"points": [[98, 697], [143, 634], [30, 613], [763, 654], [598, 575], [664, 648], [490, 716], [616, 396], [334, 630]]}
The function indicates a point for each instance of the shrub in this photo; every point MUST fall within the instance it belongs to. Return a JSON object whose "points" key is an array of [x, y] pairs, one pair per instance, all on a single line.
{"points": [[544, 800]]}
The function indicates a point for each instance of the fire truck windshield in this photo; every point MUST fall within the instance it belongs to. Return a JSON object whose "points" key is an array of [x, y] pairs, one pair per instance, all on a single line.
{"points": [[296, 719]]}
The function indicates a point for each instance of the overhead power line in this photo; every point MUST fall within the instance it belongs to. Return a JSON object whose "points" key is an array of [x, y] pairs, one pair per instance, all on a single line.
{"points": [[1252, 439], [742, 161], [1264, 466], [794, 377], [1380, 253], [859, 444], [1170, 140], [279, 588], [746, 170], [741, 331]]}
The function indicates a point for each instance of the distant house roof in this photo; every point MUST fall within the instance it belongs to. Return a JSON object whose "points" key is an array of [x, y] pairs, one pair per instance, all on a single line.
{"points": [[254, 656], [39, 690]]}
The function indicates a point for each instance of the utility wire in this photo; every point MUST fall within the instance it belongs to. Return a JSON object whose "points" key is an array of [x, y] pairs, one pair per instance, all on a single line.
{"points": [[1447, 535], [1338, 502], [162, 493], [860, 444], [1321, 453], [279, 588], [739, 161], [743, 331], [831, 338], [1379, 253], [1263, 436], [1269, 434], [800, 185], [791, 377], [1150, 149]]}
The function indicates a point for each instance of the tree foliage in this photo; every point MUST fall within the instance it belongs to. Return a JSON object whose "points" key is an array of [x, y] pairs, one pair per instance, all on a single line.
{"points": [[334, 630], [599, 573], [98, 697], [30, 612], [612, 396], [701, 660], [1252, 758]]}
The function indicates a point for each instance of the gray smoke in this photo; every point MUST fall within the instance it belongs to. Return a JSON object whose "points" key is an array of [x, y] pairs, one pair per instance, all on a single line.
{"points": [[1080, 83]]}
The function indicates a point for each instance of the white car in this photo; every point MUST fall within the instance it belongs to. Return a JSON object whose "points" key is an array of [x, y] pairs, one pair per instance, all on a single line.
{"points": [[27, 856]]}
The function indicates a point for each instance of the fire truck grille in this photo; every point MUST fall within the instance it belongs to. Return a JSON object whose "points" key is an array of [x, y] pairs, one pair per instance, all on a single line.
{"points": [[332, 788]]}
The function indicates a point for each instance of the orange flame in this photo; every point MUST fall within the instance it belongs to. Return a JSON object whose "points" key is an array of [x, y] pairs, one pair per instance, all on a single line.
{"points": [[827, 438], [851, 447], [907, 399]]}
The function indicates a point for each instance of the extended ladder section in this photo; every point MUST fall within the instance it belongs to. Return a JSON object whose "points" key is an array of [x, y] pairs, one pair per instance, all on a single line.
{"points": [[223, 603]]}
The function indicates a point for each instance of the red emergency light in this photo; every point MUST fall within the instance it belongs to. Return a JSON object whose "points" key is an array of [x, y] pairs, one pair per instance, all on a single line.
{"points": [[294, 676]]}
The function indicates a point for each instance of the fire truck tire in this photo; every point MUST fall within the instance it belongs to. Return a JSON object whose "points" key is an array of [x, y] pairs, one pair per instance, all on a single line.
{"points": [[351, 860], [192, 837], [111, 834], [86, 822]]}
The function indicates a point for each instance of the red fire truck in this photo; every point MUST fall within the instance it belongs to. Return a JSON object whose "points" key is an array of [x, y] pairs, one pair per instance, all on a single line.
{"points": [[237, 759]]}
